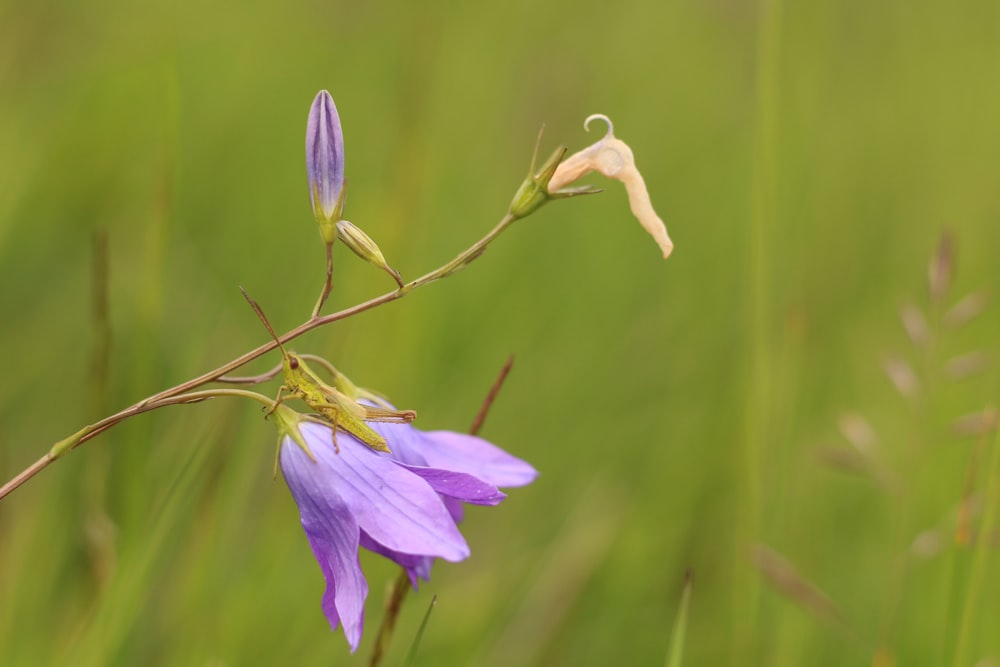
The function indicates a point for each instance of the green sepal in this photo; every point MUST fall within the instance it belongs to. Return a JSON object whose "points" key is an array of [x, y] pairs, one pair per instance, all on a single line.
{"points": [[575, 192], [327, 231], [328, 226], [287, 421], [534, 191]]}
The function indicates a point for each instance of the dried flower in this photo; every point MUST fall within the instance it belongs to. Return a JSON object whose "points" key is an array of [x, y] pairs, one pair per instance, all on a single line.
{"points": [[613, 158], [325, 160], [403, 506]]}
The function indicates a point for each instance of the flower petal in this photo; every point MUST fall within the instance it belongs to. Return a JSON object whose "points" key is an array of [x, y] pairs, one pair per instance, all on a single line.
{"points": [[475, 456], [417, 567], [459, 485], [406, 442], [393, 505], [458, 452], [455, 508], [333, 534]]}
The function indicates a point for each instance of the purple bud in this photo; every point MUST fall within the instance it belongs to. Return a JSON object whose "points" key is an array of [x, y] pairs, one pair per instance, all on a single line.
{"points": [[325, 159]]}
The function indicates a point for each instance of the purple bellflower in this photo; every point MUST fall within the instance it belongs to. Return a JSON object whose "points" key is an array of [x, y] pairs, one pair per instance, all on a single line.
{"points": [[325, 159], [403, 505]]}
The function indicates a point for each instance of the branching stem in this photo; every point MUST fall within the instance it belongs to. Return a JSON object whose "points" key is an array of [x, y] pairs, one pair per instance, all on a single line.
{"points": [[180, 393]]}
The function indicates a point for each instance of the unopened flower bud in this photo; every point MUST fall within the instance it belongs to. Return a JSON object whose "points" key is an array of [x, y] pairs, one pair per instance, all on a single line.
{"points": [[325, 163], [363, 246]]}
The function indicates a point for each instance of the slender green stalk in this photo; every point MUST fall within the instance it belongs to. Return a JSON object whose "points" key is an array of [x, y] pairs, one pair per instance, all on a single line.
{"points": [[758, 389], [412, 653], [974, 588], [327, 283], [399, 590], [676, 656]]}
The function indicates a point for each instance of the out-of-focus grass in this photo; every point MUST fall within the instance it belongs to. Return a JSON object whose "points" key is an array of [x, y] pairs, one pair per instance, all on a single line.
{"points": [[805, 163]]}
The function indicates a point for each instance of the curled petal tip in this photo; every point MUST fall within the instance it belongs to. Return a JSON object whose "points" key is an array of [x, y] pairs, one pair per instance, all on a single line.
{"points": [[599, 116]]}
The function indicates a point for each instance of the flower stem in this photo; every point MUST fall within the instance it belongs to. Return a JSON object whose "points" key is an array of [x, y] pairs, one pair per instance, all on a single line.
{"points": [[477, 423], [328, 283], [177, 394], [399, 590]]}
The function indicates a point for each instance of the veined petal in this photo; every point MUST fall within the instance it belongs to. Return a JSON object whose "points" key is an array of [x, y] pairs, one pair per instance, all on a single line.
{"points": [[390, 503], [458, 485], [333, 534], [458, 452], [475, 456], [325, 158], [455, 508], [406, 442], [417, 567]]}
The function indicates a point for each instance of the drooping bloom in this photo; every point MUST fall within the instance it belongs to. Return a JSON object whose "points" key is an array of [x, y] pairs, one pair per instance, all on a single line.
{"points": [[359, 497], [613, 158], [325, 159]]}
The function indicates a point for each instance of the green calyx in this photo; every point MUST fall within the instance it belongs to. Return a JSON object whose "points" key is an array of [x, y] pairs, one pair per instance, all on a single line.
{"points": [[328, 221], [287, 422], [534, 191]]}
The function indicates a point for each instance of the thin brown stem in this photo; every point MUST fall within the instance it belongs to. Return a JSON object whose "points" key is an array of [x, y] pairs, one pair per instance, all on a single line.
{"points": [[250, 379], [484, 409], [399, 590], [26, 474], [166, 396], [92, 431], [328, 283]]}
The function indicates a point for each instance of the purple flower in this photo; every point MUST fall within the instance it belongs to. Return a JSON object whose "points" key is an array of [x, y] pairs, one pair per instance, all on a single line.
{"points": [[402, 509], [325, 159]]}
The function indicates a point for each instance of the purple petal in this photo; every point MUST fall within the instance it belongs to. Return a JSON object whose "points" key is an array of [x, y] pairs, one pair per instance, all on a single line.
{"points": [[459, 485], [324, 156], [455, 508], [393, 505], [333, 535], [459, 452], [406, 442], [417, 567], [475, 456]]}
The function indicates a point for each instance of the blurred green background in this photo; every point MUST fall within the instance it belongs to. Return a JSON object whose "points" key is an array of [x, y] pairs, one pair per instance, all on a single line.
{"points": [[683, 414]]}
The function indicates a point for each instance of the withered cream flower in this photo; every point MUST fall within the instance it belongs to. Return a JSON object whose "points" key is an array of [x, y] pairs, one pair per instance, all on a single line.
{"points": [[612, 157]]}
